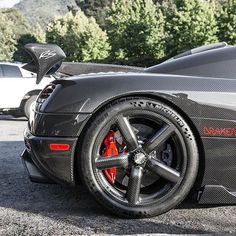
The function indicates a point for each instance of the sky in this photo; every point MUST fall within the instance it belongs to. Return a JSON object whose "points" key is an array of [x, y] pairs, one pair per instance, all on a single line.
{"points": [[8, 3]]}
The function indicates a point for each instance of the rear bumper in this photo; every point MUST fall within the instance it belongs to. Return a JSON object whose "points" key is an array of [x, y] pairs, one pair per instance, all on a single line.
{"points": [[45, 165], [34, 173]]}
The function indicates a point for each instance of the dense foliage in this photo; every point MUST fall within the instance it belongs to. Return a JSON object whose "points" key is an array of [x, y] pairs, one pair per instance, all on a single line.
{"points": [[95, 8], [7, 38], [80, 37], [227, 22], [135, 32], [15, 33], [189, 23]]}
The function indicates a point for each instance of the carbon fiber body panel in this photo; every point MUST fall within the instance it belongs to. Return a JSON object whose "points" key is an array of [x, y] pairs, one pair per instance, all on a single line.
{"points": [[201, 87], [216, 194], [55, 165]]}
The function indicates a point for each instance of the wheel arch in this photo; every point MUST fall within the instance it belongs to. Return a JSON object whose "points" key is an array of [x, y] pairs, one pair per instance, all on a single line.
{"points": [[160, 98]]}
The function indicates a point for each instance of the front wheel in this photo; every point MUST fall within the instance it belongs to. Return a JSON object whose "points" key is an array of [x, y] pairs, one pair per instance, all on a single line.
{"points": [[139, 158]]}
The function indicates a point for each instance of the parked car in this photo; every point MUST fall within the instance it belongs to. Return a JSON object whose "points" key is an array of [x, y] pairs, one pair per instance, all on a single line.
{"points": [[18, 89]]}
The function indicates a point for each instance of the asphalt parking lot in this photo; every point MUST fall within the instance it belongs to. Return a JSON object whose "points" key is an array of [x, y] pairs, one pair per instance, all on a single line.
{"points": [[38, 209]]}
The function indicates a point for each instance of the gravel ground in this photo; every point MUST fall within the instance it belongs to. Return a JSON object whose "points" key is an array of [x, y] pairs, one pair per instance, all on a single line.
{"points": [[38, 209]]}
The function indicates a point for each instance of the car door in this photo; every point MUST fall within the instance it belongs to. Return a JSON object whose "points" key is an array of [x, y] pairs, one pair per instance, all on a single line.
{"points": [[13, 86]]}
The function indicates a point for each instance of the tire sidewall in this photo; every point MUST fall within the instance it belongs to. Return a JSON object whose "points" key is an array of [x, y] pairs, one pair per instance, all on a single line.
{"points": [[28, 105], [86, 158]]}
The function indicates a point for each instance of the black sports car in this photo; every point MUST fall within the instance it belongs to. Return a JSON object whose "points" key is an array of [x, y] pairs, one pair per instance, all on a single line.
{"points": [[141, 140]]}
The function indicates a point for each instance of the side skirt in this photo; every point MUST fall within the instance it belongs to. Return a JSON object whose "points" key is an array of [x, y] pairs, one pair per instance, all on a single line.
{"points": [[216, 194]]}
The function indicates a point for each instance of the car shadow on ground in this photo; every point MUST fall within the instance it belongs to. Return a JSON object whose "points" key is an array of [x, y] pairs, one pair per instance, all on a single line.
{"points": [[75, 207]]}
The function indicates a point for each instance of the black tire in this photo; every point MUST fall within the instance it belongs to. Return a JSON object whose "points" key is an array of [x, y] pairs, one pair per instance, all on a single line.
{"points": [[139, 198], [28, 104]]}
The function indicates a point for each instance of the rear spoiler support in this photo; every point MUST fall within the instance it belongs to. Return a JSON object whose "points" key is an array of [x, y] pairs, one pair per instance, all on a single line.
{"points": [[47, 59]]}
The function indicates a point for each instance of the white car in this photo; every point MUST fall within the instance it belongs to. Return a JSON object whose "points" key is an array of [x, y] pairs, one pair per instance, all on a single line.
{"points": [[18, 89]]}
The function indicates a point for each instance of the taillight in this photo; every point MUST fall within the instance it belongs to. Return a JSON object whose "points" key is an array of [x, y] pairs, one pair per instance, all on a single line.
{"points": [[46, 93]]}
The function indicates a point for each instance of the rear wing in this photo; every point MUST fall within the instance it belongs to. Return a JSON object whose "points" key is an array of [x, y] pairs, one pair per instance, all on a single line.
{"points": [[47, 59], [78, 68]]}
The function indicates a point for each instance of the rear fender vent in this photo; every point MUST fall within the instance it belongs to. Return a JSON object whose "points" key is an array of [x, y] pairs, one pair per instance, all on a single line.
{"points": [[46, 93]]}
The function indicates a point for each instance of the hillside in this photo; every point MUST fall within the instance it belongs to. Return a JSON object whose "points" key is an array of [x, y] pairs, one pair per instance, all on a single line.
{"points": [[42, 11]]}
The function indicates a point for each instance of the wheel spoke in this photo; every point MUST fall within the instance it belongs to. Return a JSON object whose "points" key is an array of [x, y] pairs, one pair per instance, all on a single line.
{"points": [[163, 170], [127, 131], [134, 185], [113, 161], [159, 138]]}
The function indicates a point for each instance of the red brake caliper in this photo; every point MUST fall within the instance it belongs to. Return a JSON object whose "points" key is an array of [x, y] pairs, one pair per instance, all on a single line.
{"points": [[111, 150]]}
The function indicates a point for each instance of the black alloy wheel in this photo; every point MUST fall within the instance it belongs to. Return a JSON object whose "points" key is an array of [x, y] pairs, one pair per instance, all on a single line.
{"points": [[156, 164]]}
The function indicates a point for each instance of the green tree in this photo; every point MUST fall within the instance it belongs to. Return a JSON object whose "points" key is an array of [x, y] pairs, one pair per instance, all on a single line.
{"points": [[15, 33], [39, 34], [7, 38], [227, 22], [20, 54], [136, 31], [189, 23], [19, 23], [79, 36], [95, 8]]}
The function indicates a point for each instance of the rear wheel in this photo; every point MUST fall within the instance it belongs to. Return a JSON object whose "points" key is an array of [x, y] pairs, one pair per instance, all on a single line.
{"points": [[28, 105], [139, 158]]}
